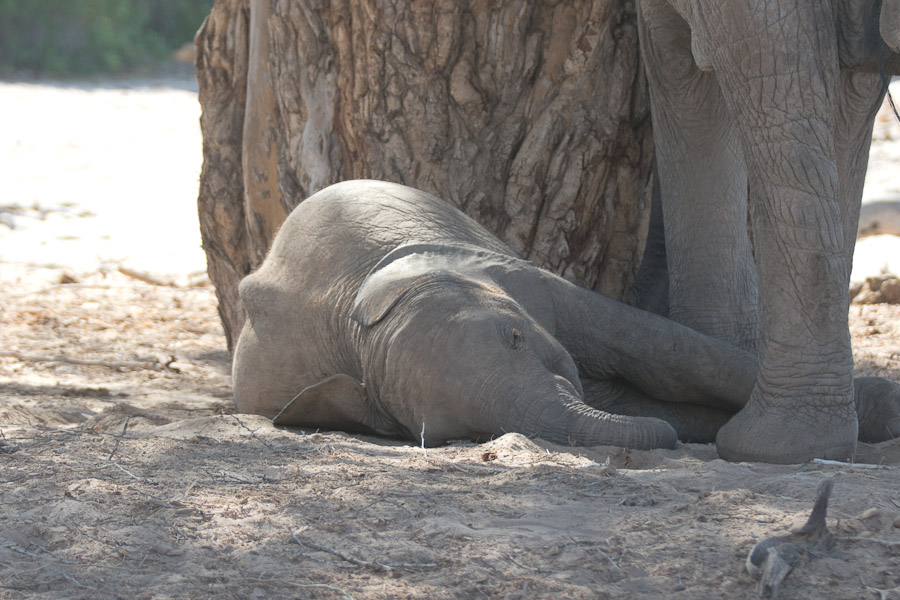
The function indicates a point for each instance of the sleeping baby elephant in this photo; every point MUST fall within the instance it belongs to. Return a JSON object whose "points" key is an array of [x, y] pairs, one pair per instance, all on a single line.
{"points": [[382, 309]]}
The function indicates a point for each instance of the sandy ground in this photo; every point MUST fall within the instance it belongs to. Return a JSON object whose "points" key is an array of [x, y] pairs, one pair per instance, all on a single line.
{"points": [[136, 481], [96, 176]]}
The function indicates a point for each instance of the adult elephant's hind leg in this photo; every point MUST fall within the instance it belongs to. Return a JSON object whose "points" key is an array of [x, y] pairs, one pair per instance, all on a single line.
{"points": [[877, 399], [703, 186]]}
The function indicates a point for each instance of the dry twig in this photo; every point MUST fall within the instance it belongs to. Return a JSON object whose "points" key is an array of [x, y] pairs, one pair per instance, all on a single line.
{"points": [[145, 277], [115, 364], [123, 469], [119, 438], [888, 543], [76, 582], [883, 594], [379, 567], [838, 463], [311, 586], [253, 433]]}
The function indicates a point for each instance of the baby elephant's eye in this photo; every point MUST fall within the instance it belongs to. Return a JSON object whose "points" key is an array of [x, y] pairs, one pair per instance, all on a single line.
{"points": [[515, 339]]}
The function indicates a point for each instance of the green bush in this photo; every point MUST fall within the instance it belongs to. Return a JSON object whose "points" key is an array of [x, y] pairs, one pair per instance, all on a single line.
{"points": [[78, 37]]}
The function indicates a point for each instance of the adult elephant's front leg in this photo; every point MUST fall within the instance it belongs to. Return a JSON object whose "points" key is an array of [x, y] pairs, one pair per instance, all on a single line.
{"points": [[777, 66]]}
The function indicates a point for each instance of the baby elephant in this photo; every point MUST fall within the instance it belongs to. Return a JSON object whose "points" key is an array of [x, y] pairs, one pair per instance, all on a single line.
{"points": [[382, 309]]}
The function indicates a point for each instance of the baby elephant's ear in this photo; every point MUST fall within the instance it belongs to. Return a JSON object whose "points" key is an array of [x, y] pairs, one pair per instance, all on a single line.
{"points": [[385, 285], [405, 267], [394, 275]]}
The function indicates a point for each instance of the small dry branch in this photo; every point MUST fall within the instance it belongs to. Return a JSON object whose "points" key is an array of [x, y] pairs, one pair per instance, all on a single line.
{"points": [[256, 437], [310, 586], [838, 463], [145, 277], [294, 539], [115, 364], [888, 543], [882, 594]]}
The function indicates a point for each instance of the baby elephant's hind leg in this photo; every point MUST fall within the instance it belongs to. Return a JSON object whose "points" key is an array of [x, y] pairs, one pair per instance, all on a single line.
{"points": [[692, 422]]}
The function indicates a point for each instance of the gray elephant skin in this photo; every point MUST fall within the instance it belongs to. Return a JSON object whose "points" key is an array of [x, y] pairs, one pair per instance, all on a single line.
{"points": [[381, 309], [763, 109]]}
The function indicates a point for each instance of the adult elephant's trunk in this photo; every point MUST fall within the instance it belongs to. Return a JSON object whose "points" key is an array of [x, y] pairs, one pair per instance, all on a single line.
{"points": [[559, 415]]}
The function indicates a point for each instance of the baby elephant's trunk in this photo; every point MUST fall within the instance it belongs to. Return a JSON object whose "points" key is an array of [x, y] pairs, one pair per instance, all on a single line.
{"points": [[563, 418]]}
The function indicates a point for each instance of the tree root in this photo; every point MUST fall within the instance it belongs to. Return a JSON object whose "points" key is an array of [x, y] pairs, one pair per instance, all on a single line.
{"points": [[772, 559]]}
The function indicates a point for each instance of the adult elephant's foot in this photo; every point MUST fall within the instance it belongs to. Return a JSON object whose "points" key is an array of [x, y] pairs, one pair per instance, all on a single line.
{"points": [[789, 433], [877, 408]]}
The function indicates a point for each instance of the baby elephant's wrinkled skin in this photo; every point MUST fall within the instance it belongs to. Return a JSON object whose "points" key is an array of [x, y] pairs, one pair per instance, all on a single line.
{"points": [[382, 309]]}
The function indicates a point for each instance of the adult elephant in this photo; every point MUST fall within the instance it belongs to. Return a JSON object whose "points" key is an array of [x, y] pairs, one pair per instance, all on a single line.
{"points": [[766, 107]]}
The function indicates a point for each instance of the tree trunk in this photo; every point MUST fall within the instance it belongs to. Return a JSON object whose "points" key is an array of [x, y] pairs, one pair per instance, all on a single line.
{"points": [[532, 117]]}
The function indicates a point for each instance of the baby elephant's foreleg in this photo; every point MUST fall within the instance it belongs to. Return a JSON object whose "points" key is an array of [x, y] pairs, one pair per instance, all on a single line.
{"points": [[665, 360]]}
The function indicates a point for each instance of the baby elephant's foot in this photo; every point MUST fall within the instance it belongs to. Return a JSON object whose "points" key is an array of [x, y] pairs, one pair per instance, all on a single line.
{"points": [[877, 408]]}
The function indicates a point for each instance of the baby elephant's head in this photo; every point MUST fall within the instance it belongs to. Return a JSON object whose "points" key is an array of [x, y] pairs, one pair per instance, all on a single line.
{"points": [[450, 351]]}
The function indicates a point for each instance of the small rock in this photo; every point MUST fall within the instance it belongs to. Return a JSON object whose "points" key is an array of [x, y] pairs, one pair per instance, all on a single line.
{"points": [[876, 290], [890, 291], [869, 513], [874, 283]]}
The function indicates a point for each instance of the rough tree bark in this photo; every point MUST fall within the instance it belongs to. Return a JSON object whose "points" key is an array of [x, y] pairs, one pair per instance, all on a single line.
{"points": [[531, 117]]}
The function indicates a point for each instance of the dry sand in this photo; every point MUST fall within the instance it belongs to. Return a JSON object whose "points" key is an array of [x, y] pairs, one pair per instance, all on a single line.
{"points": [[138, 483]]}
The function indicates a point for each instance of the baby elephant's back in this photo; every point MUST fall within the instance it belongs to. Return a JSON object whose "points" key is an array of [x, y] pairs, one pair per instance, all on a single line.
{"points": [[348, 227], [330, 242]]}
